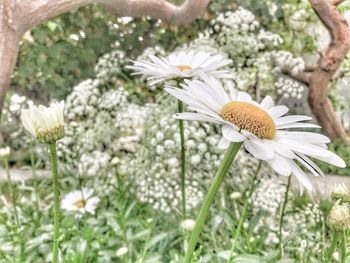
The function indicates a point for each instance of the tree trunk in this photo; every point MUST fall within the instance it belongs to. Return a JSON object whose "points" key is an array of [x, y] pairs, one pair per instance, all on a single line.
{"points": [[320, 75], [321, 106]]}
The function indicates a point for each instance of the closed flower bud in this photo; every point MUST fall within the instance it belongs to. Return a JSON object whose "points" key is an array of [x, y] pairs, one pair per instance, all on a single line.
{"points": [[5, 152], [339, 216], [122, 251], [45, 123], [341, 192]]}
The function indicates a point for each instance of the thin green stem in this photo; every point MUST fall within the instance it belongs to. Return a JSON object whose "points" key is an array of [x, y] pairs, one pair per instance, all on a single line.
{"points": [[15, 211], [343, 247], [244, 212], [12, 192], [183, 162], [332, 247], [56, 205], [35, 178], [209, 198], [283, 209]]}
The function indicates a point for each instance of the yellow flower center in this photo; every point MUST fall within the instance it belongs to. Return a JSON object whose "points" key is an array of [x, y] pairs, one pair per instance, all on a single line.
{"points": [[249, 117], [183, 67], [80, 204]]}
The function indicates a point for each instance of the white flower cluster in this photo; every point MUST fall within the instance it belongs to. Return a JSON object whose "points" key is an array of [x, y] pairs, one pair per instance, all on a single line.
{"points": [[100, 124], [287, 87], [285, 61], [240, 36], [241, 20], [17, 137], [110, 65], [268, 196]]}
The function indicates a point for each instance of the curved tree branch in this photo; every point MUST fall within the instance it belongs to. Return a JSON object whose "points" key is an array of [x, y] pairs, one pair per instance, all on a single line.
{"points": [[320, 76], [19, 16]]}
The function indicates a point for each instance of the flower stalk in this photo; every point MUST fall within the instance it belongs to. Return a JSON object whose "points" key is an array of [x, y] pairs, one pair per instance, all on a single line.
{"points": [[209, 198], [244, 212], [183, 162], [343, 247], [56, 206], [283, 209], [12, 192]]}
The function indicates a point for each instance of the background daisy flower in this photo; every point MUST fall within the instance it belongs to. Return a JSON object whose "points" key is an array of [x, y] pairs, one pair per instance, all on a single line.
{"points": [[181, 64], [80, 201], [45, 123], [262, 127]]}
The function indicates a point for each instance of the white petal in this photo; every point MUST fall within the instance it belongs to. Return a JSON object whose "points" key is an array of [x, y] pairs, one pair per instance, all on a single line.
{"points": [[258, 150], [277, 111], [280, 165], [309, 137], [298, 125], [223, 143], [308, 166], [301, 176], [290, 119], [190, 116], [267, 103], [232, 135]]}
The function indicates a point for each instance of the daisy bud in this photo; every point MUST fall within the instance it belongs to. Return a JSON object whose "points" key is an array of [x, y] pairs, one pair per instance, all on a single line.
{"points": [[188, 224], [122, 251], [5, 152], [45, 123], [341, 192], [339, 216]]}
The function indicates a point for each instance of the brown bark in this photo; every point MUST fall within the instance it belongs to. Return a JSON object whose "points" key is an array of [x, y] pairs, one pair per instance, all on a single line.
{"points": [[319, 77], [19, 16]]}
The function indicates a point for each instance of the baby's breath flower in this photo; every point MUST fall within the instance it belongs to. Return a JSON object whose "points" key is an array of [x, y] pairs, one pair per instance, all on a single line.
{"points": [[188, 224], [235, 195]]}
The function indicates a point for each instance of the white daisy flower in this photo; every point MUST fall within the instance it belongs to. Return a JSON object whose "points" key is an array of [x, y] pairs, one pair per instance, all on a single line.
{"points": [[80, 201], [181, 64], [45, 123], [260, 126]]}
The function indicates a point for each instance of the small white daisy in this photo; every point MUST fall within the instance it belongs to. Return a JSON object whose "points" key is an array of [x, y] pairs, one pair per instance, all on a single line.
{"points": [[45, 123], [261, 127], [181, 64], [80, 201]]}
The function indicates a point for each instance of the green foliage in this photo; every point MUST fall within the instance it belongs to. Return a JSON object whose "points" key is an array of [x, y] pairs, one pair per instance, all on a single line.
{"points": [[343, 150], [60, 53]]}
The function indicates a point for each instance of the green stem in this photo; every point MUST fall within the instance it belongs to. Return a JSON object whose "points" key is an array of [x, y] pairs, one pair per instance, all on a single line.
{"points": [[332, 247], [183, 162], [209, 198], [343, 247], [35, 178], [56, 205], [244, 212], [284, 205], [12, 192], [15, 211]]}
